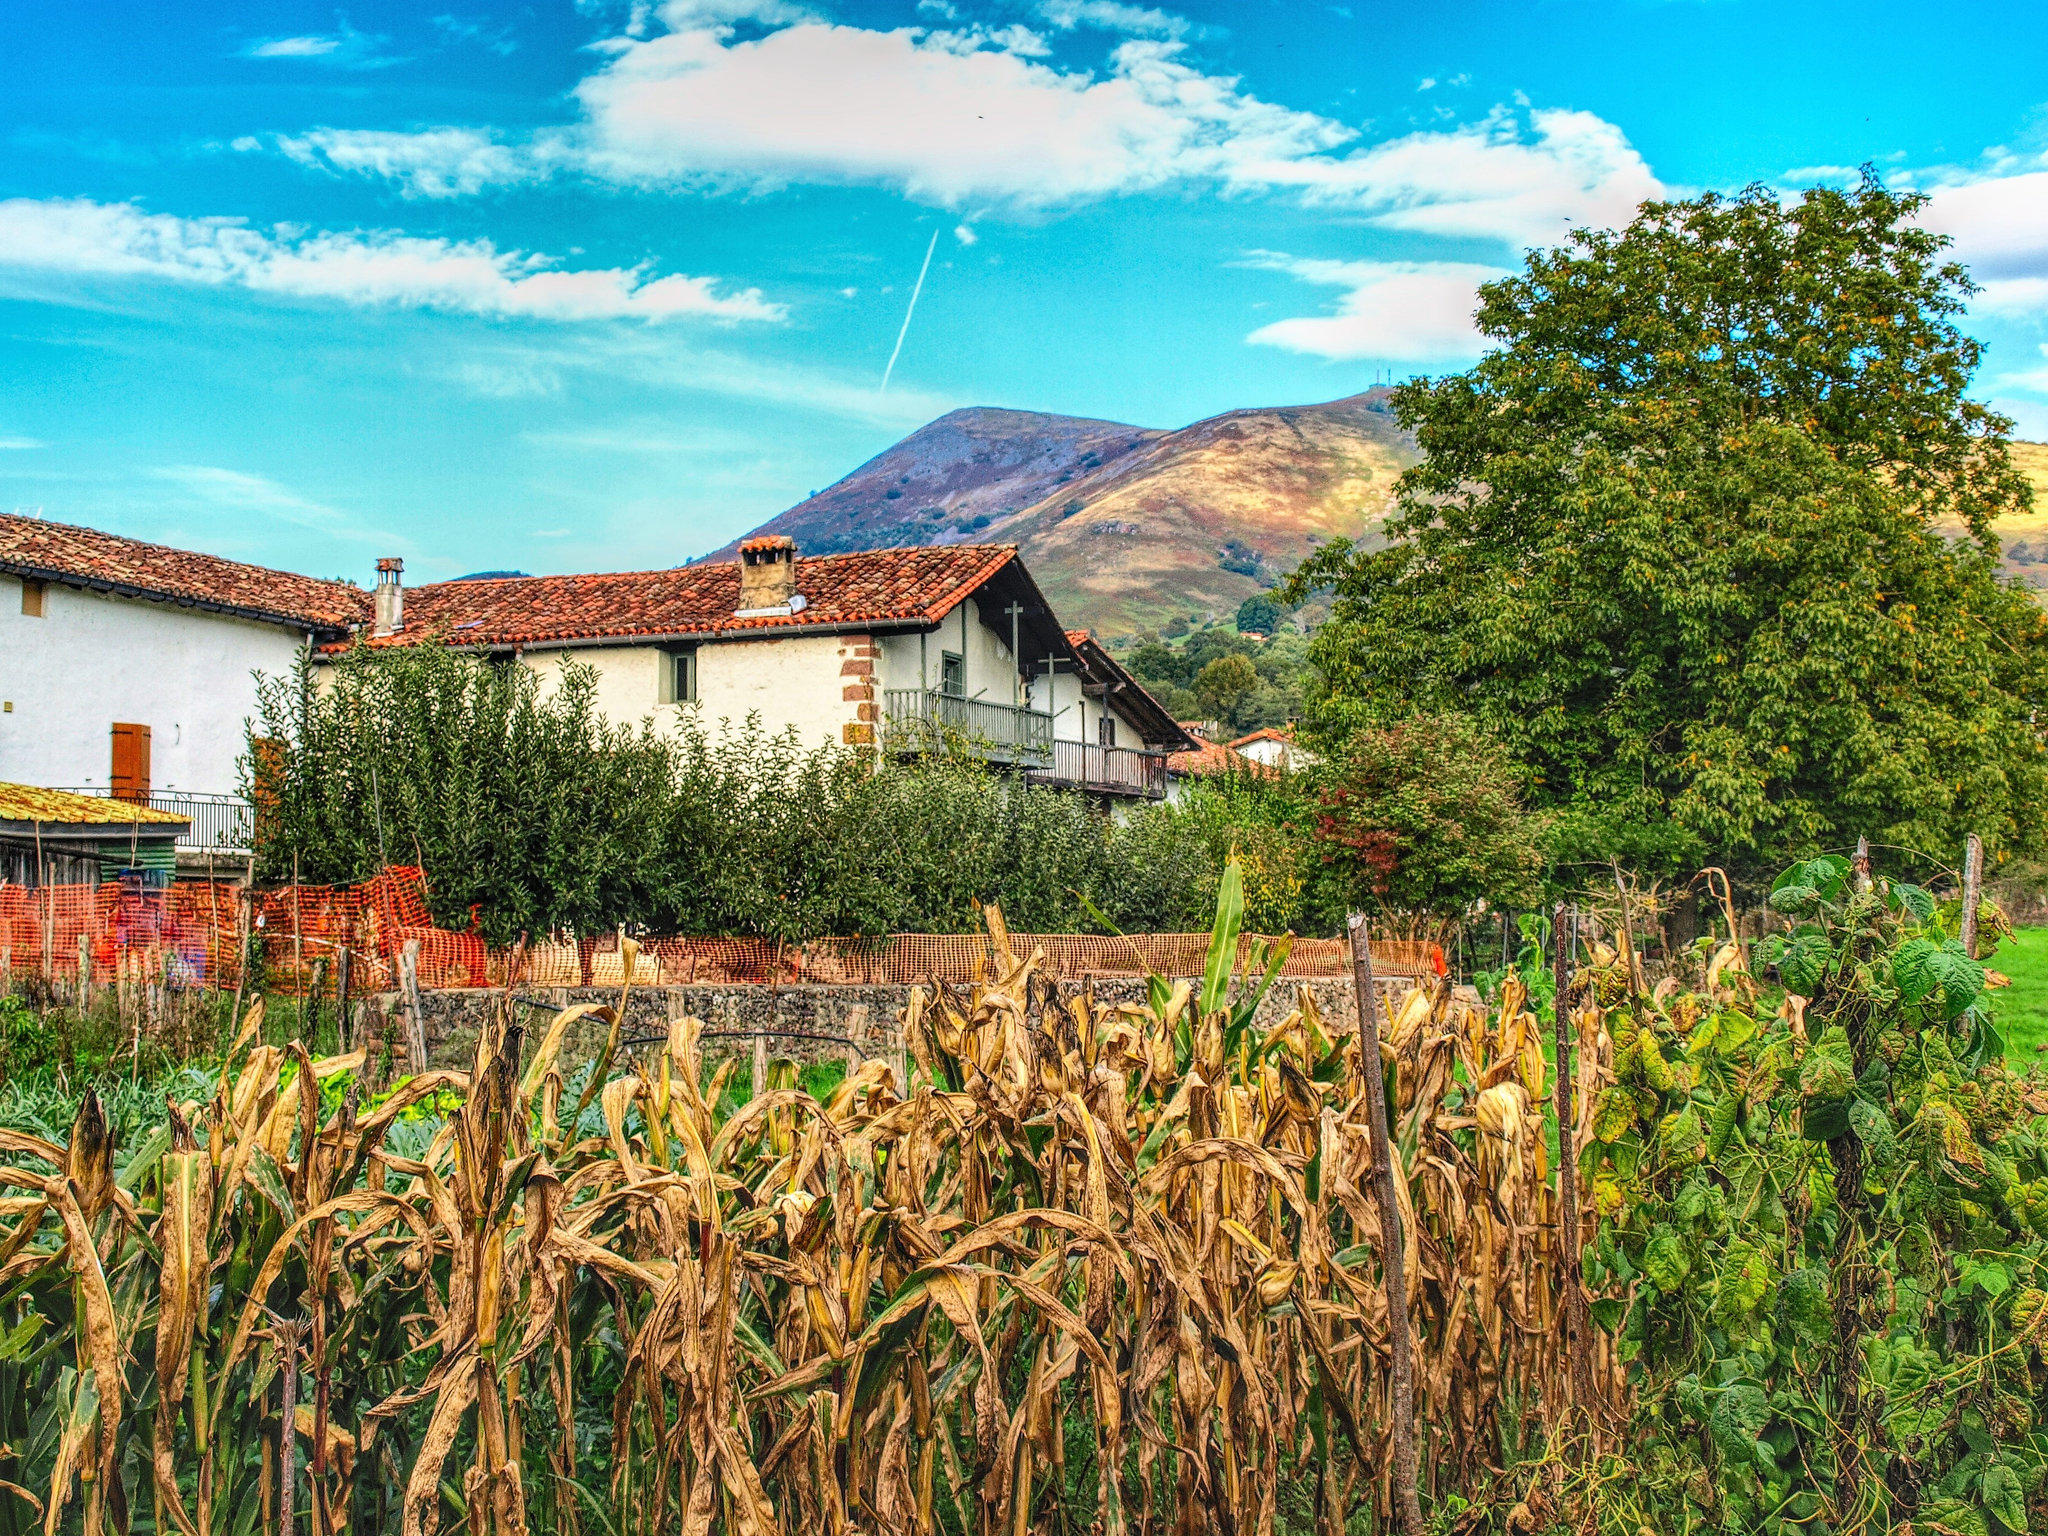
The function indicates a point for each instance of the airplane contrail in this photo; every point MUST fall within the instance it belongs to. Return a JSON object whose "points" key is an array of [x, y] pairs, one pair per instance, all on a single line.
{"points": [[897, 351]]}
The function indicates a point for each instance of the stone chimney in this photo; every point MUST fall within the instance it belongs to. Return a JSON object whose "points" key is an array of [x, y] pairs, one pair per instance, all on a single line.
{"points": [[768, 574], [390, 597]]}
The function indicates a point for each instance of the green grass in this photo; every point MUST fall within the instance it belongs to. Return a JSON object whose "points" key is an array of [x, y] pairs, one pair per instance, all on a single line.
{"points": [[2022, 1008]]}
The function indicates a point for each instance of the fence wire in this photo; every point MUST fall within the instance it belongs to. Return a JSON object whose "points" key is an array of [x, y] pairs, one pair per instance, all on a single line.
{"points": [[203, 933]]}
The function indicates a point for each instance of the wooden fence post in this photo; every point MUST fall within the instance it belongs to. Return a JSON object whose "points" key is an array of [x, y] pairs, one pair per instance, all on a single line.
{"points": [[1393, 1266], [415, 1022], [1973, 892], [1577, 1339]]}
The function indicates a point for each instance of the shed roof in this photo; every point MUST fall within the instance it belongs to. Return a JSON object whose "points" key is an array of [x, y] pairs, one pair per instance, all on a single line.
{"points": [[40, 550], [60, 807]]}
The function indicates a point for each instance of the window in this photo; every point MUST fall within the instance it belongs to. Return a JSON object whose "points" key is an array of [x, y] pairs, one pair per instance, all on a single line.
{"points": [[1105, 730], [32, 599], [953, 676], [679, 677]]}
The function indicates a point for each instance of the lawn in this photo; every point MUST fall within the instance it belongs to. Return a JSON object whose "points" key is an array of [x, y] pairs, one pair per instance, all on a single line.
{"points": [[2022, 1009]]}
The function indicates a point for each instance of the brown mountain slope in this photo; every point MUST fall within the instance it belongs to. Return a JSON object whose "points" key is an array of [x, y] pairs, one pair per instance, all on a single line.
{"points": [[951, 479], [2026, 537], [1124, 527], [1197, 520]]}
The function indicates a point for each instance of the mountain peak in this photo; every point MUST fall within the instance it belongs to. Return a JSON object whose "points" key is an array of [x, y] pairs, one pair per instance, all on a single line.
{"points": [[1124, 527]]}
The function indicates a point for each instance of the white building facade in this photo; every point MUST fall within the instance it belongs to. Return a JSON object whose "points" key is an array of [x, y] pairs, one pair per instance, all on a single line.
{"points": [[129, 668]]}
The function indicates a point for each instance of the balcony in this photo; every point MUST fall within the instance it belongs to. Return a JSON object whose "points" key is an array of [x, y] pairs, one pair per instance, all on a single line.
{"points": [[926, 720], [1104, 770], [223, 824]]}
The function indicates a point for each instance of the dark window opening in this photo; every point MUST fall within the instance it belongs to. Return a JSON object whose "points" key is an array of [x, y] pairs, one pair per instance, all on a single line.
{"points": [[679, 677], [953, 676]]}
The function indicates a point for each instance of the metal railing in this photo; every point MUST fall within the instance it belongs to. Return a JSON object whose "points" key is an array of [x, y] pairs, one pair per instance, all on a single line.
{"points": [[925, 720], [1105, 770], [220, 823]]}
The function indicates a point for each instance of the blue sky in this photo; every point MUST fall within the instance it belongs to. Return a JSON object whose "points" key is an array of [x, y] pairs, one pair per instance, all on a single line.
{"points": [[580, 285]]}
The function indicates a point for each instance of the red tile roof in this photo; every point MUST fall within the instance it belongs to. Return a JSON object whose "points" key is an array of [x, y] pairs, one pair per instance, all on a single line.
{"points": [[1211, 757], [85, 557], [1270, 733], [881, 586]]}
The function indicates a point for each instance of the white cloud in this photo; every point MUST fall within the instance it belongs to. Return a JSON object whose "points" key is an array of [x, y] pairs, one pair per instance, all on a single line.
{"points": [[965, 234], [1410, 311], [236, 491], [2000, 227], [345, 48], [1110, 16], [295, 48], [1522, 178], [440, 162], [14, 444], [970, 115], [946, 117], [374, 268]]}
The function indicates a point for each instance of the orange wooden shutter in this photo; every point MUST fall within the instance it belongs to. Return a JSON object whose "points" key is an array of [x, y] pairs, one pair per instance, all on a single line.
{"points": [[131, 763]]}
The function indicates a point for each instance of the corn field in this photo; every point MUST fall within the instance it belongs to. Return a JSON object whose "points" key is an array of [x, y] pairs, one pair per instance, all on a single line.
{"points": [[1095, 1268]]}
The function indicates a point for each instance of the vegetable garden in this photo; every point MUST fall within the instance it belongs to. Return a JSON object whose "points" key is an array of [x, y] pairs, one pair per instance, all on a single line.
{"points": [[1090, 1268]]}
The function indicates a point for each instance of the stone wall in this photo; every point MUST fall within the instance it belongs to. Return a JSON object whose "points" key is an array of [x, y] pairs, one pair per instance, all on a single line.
{"points": [[805, 1023]]}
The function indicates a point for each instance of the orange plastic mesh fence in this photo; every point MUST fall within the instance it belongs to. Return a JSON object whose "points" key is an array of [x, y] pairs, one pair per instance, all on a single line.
{"points": [[198, 933]]}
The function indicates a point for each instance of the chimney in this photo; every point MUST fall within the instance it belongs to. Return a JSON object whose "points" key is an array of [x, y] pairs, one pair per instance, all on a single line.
{"points": [[390, 596], [768, 575]]}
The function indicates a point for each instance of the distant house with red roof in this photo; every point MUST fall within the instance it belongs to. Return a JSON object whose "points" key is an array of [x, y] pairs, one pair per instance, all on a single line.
{"points": [[1275, 748], [1205, 757], [126, 668]]}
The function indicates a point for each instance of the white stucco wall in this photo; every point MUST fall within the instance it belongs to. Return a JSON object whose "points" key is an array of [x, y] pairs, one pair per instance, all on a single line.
{"points": [[92, 660], [991, 670], [1078, 717], [794, 681]]}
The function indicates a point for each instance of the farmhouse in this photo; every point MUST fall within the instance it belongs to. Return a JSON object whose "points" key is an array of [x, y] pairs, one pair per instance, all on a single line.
{"points": [[904, 649], [127, 668]]}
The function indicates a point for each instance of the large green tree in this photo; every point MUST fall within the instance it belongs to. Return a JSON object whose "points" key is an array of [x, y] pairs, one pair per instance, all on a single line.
{"points": [[1706, 539]]}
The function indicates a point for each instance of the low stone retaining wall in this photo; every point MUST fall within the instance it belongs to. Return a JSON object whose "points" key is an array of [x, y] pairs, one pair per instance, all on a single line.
{"points": [[804, 1023]]}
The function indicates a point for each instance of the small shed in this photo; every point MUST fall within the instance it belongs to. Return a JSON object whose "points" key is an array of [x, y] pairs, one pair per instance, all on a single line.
{"points": [[54, 837]]}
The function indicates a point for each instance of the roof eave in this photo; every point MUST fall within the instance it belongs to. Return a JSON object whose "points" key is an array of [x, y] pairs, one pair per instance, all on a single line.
{"points": [[302, 622]]}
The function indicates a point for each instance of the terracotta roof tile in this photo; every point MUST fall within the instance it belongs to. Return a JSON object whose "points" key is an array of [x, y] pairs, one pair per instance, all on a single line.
{"points": [[32, 547], [1211, 757], [879, 586], [24, 802]]}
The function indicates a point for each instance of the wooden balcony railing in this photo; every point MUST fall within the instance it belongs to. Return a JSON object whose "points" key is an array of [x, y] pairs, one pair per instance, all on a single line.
{"points": [[1104, 770], [926, 720]]}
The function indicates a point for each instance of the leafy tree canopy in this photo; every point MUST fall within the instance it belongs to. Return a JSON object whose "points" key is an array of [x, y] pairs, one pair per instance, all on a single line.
{"points": [[1258, 614], [1706, 540], [1426, 816]]}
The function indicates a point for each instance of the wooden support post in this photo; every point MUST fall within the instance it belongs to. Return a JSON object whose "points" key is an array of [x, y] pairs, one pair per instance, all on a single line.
{"points": [[1393, 1259], [415, 1021], [84, 970], [1577, 1337], [343, 1035], [1973, 892]]}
